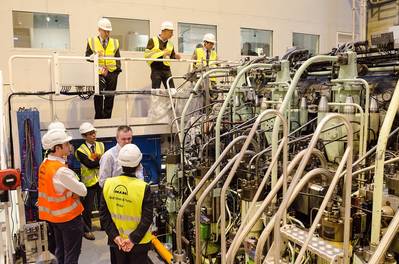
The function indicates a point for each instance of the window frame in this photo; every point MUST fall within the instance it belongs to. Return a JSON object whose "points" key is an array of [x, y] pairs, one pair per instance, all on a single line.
{"points": [[41, 49], [128, 18], [199, 24], [271, 46], [310, 34]]}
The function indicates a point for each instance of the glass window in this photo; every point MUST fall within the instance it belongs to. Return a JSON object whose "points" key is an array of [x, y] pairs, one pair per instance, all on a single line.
{"points": [[40, 30], [190, 35], [132, 34], [256, 42], [306, 41]]}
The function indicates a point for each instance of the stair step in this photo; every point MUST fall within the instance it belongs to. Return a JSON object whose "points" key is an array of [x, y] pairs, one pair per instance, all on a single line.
{"points": [[317, 245]]}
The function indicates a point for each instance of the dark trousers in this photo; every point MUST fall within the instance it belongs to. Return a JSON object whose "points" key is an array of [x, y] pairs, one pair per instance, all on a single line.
{"points": [[103, 104], [68, 237], [137, 255], [161, 76], [93, 194]]}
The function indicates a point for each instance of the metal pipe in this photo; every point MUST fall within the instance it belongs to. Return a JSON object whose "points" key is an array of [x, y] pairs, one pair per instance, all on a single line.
{"points": [[2, 124], [367, 105], [237, 163], [348, 182], [312, 144], [287, 99], [227, 102], [179, 219], [198, 254], [186, 106], [245, 227], [379, 167], [373, 166], [301, 184]]}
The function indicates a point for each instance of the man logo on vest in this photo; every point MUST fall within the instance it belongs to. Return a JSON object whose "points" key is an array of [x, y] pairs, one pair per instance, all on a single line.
{"points": [[121, 189]]}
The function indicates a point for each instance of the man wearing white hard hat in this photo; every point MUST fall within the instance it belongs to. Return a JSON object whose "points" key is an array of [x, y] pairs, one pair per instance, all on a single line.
{"points": [[89, 154], [59, 195], [161, 47], [108, 70], [126, 210], [205, 53]]}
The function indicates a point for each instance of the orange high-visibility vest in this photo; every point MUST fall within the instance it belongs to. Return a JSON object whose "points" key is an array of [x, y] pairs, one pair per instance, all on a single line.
{"points": [[55, 207]]}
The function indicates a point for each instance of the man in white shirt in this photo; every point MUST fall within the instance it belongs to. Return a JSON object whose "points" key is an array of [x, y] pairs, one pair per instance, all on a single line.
{"points": [[59, 195], [109, 166]]}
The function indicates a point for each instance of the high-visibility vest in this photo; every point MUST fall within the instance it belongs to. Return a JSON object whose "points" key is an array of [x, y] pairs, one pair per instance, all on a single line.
{"points": [[109, 51], [124, 198], [90, 176], [201, 57], [55, 207], [155, 52]]}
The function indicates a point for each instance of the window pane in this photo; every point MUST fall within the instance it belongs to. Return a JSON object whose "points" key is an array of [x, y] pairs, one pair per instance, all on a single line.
{"points": [[256, 41], [132, 33], [40, 30], [190, 35], [306, 41]]}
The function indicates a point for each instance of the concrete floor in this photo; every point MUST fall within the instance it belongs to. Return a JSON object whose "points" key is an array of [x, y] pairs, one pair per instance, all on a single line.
{"points": [[96, 251]]}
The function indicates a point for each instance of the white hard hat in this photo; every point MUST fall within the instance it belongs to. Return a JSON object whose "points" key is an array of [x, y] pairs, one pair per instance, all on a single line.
{"points": [[105, 24], [56, 125], [167, 25], [86, 127], [209, 37], [129, 156], [55, 137]]}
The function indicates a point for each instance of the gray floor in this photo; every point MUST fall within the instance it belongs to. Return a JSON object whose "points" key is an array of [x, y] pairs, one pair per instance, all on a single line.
{"points": [[96, 251]]}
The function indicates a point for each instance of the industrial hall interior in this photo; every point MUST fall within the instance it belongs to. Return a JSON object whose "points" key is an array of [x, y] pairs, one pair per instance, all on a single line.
{"points": [[199, 132]]}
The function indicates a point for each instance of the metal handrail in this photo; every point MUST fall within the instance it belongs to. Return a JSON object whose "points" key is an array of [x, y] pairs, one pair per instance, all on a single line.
{"points": [[301, 184], [198, 254], [179, 219], [245, 226], [287, 99], [379, 168], [237, 163], [186, 106], [348, 181], [227, 101]]}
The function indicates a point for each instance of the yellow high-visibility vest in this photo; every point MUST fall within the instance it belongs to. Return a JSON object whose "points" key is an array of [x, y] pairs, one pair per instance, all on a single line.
{"points": [[109, 51], [155, 52], [90, 176], [124, 198], [201, 57]]}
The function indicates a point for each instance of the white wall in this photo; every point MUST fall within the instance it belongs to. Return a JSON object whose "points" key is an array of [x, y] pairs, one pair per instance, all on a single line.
{"points": [[283, 17]]}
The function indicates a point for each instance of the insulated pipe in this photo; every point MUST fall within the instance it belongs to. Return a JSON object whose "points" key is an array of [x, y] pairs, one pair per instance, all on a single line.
{"points": [[237, 163], [186, 106], [162, 250], [227, 102], [348, 182], [198, 253], [287, 99], [245, 227], [269, 227], [179, 219], [379, 167]]}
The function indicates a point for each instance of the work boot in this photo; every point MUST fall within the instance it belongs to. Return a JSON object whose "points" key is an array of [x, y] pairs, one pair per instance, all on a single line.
{"points": [[89, 236]]}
